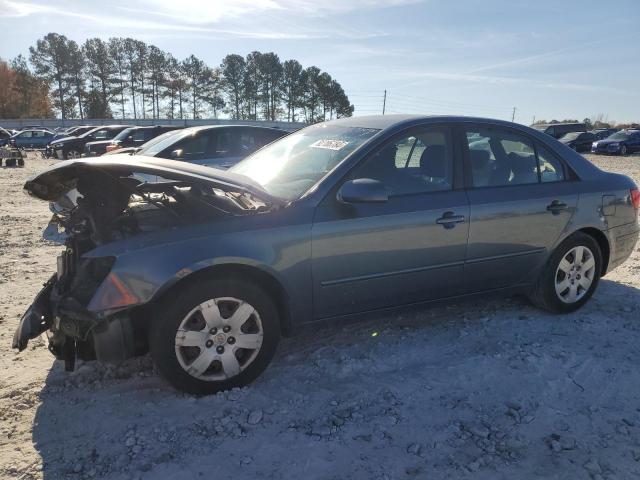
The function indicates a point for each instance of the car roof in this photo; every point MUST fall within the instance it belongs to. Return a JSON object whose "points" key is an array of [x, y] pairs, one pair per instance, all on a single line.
{"points": [[383, 122], [35, 130], [199, 128]]}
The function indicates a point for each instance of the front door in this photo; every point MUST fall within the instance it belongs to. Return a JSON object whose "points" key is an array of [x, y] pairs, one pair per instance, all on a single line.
{"points": [[411, 248], [520, 204]]}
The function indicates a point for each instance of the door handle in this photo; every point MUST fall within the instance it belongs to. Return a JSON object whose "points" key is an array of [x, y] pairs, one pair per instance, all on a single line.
{"points": [[449, 219], [556, 207]]}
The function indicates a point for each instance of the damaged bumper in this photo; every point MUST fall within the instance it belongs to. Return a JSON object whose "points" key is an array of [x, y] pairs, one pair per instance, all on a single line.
{"points": [[74, 331], [37, 319]]}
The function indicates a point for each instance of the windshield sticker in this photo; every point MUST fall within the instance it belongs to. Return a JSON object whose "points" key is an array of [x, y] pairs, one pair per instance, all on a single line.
{"points": [[329, 144]]}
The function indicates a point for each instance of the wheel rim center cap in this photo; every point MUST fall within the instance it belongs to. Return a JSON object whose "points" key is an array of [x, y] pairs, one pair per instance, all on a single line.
{"points": [[219, 339]]}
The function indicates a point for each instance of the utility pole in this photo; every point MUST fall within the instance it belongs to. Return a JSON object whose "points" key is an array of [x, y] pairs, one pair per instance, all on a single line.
{"points": [[384, 102], [513, 115]]}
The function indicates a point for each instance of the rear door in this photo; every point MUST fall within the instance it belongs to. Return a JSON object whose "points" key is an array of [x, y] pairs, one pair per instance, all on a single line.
{"points": [[410, 248], [520, 201]]}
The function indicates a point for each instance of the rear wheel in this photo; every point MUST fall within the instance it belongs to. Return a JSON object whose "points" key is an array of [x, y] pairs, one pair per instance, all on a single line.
{"points": [[215, 335], [570, 276]]}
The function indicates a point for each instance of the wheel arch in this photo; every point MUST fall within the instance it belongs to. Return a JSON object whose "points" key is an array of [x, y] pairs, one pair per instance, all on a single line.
{"points": [[255, 274], [603, 243]]}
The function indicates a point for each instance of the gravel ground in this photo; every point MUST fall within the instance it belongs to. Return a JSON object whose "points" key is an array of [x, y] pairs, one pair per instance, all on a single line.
{"points": [[493, 389]]}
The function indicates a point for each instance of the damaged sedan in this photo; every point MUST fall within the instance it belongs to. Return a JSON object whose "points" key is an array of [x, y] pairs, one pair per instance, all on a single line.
{"points": [[207, 269]]}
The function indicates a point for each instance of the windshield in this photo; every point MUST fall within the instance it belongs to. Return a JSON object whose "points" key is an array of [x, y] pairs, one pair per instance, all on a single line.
{"points": [[124, 134], [570, 136], [290, 166], [156, 145], [619, 136], [89, 132]]}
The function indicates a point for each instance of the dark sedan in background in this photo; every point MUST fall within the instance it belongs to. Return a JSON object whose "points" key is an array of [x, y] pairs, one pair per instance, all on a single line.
{"points": [[603, 133], [206, 269], [219, 146], [620, 143], [72, 147], [558, 130], [579, 141], [31, 139], [69, 132], [130, 137]]}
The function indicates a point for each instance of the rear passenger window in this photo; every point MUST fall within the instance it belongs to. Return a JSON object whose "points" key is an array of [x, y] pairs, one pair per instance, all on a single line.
{"points": [[499, 158], [550, 166]]}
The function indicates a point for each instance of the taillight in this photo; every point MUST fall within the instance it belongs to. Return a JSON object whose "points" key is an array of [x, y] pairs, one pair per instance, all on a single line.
{"points": [[635, 198]]}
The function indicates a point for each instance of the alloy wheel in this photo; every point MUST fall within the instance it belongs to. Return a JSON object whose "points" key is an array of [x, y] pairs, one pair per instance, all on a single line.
{"points": [[575, 274], [73, 154], [219, 339]]}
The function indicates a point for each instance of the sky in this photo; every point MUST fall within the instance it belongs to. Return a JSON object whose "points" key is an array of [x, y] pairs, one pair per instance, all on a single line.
{"points": [[550, 59]]}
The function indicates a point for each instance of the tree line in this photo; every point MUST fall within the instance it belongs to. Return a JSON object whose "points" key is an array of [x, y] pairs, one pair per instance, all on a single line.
{"points": [[596, 122], [127, 78], [22, 95]]}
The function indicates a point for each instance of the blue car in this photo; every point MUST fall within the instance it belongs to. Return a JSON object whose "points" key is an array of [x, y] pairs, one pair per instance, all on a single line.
{"points": [[620, 143], [31, 139], [206, 269]]}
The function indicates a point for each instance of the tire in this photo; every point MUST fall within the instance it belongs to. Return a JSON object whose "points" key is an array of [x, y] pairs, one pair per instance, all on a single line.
{"points": [[212, 369], [623, 150], [549, 292], [72, 154]]}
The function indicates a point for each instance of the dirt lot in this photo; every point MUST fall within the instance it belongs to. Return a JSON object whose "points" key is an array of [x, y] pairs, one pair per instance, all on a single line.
{"points": [[488, 390]]}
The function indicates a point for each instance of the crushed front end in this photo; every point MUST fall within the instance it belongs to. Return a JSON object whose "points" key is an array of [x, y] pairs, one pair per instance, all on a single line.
{"points": [[85, 308]]}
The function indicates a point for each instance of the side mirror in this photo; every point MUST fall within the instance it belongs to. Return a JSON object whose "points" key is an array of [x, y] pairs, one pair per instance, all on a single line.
{"points": [[176, 154], [363, 190]]}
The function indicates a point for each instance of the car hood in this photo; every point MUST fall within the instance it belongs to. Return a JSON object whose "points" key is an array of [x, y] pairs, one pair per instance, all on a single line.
{"points": [[62, 140], [608, 142], [62, 177]]}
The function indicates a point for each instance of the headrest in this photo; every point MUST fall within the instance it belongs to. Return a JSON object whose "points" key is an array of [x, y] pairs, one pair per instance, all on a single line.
{"points": [[433, 161], [479, 158], [522, 163]]}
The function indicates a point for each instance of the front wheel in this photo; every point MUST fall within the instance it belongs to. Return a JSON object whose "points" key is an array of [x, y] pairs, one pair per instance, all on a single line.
{"points": [[214, 335], [623, 150], [72, 154], [570, 276]]}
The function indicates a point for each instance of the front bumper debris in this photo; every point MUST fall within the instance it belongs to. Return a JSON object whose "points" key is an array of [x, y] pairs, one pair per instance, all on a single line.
{"points": [[37, 319]]}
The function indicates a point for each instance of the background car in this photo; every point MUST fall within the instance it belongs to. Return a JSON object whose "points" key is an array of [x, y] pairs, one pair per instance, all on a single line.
{"points": [[34, 127], [621, 143], [31, 139], [130, 137], [219, 146], [150, 143], [557, 130], [72, 147], [603, 133], [69, 132], [339, 220], [579, 141]]}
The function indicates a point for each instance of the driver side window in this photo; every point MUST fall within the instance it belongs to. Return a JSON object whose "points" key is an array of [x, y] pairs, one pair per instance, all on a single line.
{"points": [[420, 161]]}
